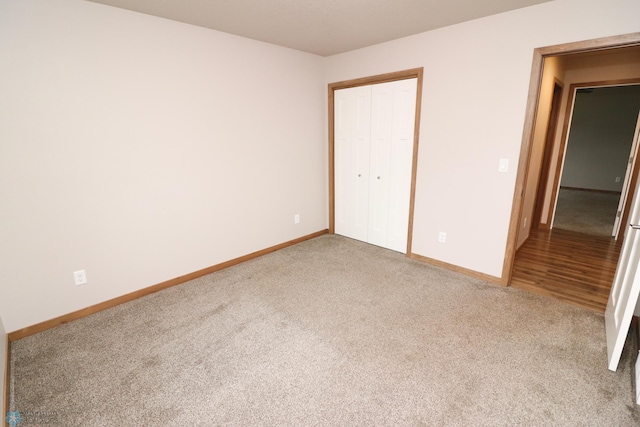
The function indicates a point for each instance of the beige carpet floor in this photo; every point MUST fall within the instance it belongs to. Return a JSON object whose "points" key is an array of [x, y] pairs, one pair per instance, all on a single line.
{"points": [[330, 332], [584, 211]]}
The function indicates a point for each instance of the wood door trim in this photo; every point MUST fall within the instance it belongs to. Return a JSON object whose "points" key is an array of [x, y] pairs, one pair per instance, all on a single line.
{"points": [[606, 43], [379, 78], [416, 73]]}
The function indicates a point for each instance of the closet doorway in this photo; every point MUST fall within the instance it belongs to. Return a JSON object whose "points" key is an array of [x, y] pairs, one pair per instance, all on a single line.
{"points": [[373, 142]]}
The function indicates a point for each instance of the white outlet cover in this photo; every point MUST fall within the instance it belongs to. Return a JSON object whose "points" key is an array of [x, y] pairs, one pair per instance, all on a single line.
{"points": [[80, 277], [442, 237]]}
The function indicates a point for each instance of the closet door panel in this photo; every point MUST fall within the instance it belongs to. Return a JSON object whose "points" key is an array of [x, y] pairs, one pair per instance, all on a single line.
{"points": [[352, 133], [380, 161], [401, 162], [373, 146]]}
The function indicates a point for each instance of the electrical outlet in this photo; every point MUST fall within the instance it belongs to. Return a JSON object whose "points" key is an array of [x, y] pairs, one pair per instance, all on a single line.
{"points": [[442, 237], [80, 277], [296, 219], [618, 179]]}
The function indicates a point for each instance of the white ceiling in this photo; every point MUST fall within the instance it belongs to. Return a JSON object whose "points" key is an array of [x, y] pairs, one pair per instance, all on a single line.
{"points": [[323, 27]]}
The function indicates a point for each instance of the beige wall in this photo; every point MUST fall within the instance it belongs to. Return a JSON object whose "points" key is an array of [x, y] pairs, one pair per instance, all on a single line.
{"points": [[142, 149], [473, 107], [553, 71]]}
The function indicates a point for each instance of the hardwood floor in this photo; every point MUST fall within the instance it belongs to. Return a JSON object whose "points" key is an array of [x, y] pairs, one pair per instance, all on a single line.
{"points": [[573, 267]]}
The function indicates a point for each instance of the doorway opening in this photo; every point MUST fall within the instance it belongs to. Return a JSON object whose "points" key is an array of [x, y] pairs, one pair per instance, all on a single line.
{"points": [[599, 158], [537, 180]]}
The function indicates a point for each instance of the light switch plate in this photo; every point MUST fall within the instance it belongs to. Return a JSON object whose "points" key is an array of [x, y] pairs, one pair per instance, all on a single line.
{"points": [[503, 166]]}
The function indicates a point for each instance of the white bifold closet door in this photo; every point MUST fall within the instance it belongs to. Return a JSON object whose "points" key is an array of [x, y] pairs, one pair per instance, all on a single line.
{"points": [[373, 141]]}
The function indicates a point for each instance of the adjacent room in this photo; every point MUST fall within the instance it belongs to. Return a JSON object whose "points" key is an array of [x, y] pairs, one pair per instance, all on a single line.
{"points": [[581, 178], [191, 233]]}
